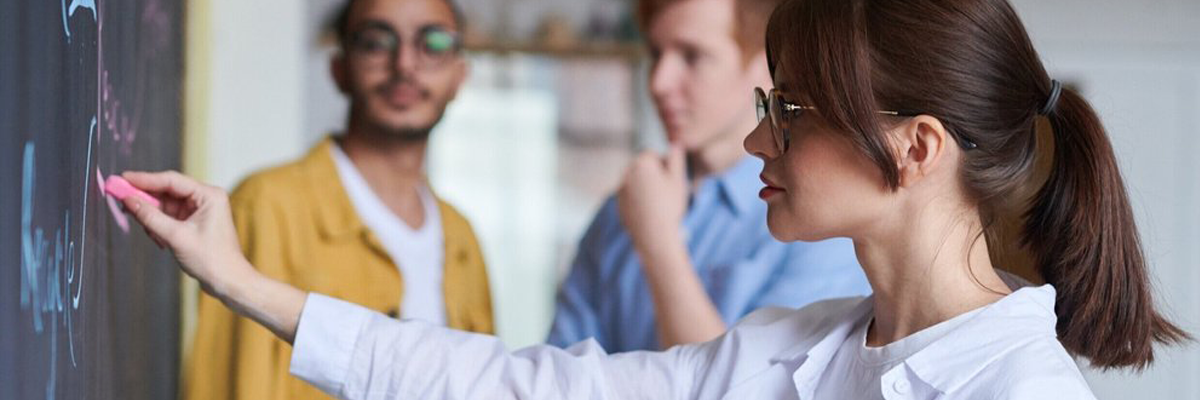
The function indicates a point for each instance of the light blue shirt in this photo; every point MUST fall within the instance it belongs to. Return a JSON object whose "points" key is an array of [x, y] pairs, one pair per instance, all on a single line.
{"points": [[741, 266]]}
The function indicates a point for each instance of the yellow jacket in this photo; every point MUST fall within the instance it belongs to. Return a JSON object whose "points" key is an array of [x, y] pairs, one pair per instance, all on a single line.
{"points": [[296, 224]]}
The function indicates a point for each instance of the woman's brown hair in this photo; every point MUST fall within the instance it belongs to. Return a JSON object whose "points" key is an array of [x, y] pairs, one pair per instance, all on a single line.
{"points": [[971, 64]]}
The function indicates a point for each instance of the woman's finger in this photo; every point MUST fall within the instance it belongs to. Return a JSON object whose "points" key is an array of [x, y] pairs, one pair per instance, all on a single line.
{"points": [[171, 208], [157, 240], [152, 218], [170, 183]]}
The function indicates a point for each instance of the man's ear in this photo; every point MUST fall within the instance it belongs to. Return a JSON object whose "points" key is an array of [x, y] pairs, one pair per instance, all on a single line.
{"points": [[920, 144], [340, 72]]}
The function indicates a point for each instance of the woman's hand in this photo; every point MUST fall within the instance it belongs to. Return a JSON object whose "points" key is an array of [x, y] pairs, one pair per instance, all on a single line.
{"points": [[196, 224]]}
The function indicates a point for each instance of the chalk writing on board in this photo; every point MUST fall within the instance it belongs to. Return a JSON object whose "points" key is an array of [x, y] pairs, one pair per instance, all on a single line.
{"points": [[121, 113], [42, 262], [52, 267], [109, 72], [117, 120], [158, 22], [83, 231], [69, 11]]}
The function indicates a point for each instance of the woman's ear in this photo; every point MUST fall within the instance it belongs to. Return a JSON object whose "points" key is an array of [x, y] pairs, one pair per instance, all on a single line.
{"points": [[921, 145]]}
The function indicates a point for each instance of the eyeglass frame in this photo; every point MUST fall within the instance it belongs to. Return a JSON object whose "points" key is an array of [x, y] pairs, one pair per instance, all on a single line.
{"points": [[763, 102], [424, 59]]}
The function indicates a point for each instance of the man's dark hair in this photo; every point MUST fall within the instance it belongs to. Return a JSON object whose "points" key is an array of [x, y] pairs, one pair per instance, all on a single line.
{"points": [[340, 25]]}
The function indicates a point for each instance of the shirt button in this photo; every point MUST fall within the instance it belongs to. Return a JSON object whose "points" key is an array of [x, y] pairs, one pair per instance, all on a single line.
{"points": [[900, 386]]}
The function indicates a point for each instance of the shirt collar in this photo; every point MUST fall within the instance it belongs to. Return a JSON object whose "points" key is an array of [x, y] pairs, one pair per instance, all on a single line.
{"points": [[1025, 315], [833, 337], [336, 216], [739, 185], [812, 355]]}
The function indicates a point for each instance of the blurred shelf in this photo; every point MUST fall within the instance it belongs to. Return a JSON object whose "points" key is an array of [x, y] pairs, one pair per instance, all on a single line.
{"points": [[629, 51]]}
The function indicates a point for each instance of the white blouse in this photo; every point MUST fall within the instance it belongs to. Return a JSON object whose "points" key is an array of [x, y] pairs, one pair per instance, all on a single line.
{"points": [[856, 370], [1007, 350]]}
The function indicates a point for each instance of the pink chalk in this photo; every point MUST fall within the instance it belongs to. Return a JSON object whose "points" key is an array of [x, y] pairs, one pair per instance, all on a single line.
{"points": [[120, 188]]}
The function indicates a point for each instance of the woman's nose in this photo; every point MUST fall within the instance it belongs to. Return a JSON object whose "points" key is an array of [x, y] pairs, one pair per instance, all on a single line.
{"points": [[759, 143]]}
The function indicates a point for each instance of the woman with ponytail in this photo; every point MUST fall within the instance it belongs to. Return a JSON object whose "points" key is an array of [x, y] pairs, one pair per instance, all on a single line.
{"points": [[908, 126]]}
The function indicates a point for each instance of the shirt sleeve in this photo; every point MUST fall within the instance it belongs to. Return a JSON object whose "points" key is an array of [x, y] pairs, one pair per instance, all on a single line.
{"points": [[354, 353], [575, 314]]}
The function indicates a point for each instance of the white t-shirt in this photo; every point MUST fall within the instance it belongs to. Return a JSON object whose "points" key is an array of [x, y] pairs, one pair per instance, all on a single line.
{"points": [[418, 253], [855, 362]]}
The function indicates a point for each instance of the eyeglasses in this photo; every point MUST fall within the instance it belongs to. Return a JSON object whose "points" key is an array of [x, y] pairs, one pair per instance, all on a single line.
{"points": [[378, 44], [771, 104]]}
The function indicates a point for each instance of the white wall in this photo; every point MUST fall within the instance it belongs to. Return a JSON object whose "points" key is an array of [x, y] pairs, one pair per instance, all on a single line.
{"points": [[256, 94], [1139, 65], [323, 106]]}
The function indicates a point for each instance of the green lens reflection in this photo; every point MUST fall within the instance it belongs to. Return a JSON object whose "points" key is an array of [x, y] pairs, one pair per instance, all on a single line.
{"points": [[439, 41]]}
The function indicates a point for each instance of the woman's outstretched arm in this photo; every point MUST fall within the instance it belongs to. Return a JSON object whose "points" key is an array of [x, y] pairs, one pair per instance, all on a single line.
{"points": [[355, 353]]}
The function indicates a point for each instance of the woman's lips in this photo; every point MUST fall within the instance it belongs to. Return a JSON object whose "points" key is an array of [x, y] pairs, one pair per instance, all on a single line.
{"points": [[770, 190]]}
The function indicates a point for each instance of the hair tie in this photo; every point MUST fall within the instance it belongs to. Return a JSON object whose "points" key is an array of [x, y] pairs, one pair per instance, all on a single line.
{"points": [[1052, 102]]}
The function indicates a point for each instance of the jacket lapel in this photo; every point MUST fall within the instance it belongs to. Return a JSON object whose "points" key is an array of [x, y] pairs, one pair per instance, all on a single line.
{"points": [[337, 220]]}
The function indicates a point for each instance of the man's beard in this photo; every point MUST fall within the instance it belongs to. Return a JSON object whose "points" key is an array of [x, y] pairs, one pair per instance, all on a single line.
{"points": [[405, 133], [383, 130]]}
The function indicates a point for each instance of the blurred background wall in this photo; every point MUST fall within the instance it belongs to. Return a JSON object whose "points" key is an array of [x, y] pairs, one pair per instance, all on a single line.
{"points": [[556, 104]]}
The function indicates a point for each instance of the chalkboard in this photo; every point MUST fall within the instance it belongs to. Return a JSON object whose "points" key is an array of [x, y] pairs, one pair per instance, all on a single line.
{"points": [[88, 305]]}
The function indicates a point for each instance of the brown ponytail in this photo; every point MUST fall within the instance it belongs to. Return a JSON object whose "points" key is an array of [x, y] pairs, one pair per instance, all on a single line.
{"points": [[1082, 233], [971, 64]]}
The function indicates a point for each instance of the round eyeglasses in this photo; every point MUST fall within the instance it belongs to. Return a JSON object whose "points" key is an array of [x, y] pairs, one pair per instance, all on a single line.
{"points": [[378, 44]]}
